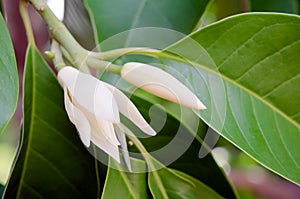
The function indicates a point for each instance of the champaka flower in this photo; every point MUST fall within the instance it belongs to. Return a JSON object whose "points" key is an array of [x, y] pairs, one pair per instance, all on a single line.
{"points": [[160, 83], [93, 107]]}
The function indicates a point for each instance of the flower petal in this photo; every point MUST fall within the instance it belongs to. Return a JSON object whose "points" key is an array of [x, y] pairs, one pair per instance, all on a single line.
{"points": [[101, 141], [103, 126], [78, 119], [108, 131], [89, 93], [121, 136], [128, 109], [66, 76], [160, 83]]}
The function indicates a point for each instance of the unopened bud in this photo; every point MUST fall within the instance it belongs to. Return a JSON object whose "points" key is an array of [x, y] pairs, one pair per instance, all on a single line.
{"points": [[160, 83]]}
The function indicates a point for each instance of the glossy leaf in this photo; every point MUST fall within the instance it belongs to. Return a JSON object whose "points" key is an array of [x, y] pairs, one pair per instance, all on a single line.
{"points": [[170, 183], [121, 184], [112, 17], [204, 169], [247, 74], [8, 77], [287, 6], [51, 162]]}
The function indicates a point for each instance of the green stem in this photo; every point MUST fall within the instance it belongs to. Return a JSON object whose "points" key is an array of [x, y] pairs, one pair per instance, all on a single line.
{"points": [[112, 54], [97, 168], [67, 57], [152, 163], [76, 54], [61, 33], [26, 21], [58, 58], [103, 65]]}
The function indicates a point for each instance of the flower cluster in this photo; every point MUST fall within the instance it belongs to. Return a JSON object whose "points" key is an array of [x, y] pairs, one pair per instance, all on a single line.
{"points": [[93, 106]]}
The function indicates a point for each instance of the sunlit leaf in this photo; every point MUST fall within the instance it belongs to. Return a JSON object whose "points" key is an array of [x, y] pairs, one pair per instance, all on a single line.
{"points": [[121, 184], [247, 73]]}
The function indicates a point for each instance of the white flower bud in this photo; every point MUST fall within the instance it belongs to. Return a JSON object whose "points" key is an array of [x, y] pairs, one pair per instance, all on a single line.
{"points": [[160, 83]]}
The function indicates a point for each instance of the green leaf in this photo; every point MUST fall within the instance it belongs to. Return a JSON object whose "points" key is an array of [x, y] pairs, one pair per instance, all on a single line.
{"points": [[1, 190], [219, 9], [77, 21], [121, 184], [112, 17], [8, 77], [253, 97], [182, 121], [170, 183], [51, 162], [286, 6]]}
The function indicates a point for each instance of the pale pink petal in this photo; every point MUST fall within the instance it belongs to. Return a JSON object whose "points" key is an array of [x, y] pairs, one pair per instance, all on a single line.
{"points": [[128, 109], [160, 83], [78, 119]]}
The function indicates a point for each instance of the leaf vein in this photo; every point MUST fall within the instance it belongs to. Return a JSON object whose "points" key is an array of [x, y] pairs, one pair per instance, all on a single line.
{"points": [[60, 134], [225, 32], [135, 20], [280, 85], [31, 125], [33, 190], [51, 102], [241, 130], [51, 165], [264, 138], [295, 115], [283, 142], [264, 59]]}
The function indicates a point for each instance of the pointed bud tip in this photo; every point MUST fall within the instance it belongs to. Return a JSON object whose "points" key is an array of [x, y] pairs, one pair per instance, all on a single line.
{"points": [[87, 144], [86, 141], [193, 103], [149, 131], [160, 83], [200, 105]]}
